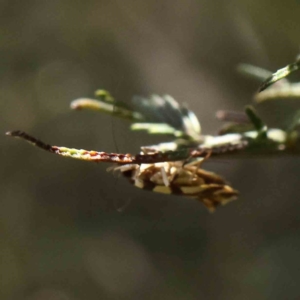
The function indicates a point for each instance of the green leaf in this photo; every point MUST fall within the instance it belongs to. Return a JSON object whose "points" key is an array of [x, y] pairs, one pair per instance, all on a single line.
{"points": [[156, 128], [106, 107], [166, 110], [259, 125], [281, 73], [105, 96], [284, 91], [254, 72]]}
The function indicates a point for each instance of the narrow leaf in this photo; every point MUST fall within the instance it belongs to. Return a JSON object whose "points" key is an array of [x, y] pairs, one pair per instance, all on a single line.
{"points": [[281, 73], [259, 125], [106, 107], [156, 128], [254, 72]]}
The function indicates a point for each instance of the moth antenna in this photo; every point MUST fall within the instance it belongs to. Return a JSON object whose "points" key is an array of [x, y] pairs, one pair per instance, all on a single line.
{"points": [[30, 139], [74, 153]]}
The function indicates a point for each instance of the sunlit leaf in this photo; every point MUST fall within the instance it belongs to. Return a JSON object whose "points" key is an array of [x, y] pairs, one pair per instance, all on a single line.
{"points": [[286, 91], [156, 128], [281, 73], [106, 107], [105, 96], [166, 110]]}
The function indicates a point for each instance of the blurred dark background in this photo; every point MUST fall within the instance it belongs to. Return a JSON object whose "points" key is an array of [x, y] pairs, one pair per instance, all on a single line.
{"points": [[62, 237]]}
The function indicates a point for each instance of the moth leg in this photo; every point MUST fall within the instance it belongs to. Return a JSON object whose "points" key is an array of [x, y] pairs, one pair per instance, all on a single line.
{"points": [[196, 164], [164, 176]]}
